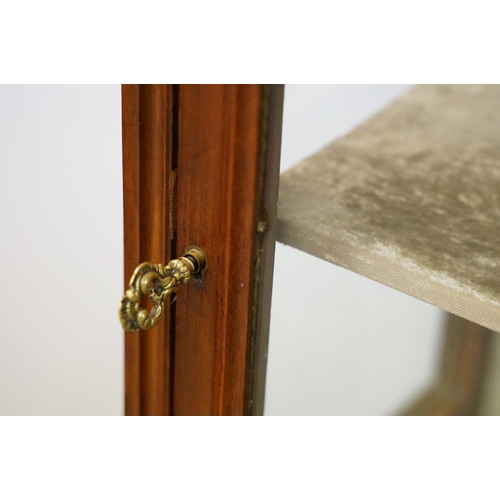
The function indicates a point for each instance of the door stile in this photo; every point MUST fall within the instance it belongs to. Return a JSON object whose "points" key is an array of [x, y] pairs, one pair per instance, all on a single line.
{"points": [[224, 134], [147, 172], [201, 167]]}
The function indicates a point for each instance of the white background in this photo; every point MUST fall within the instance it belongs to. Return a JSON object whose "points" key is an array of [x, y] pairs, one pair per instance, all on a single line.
{"points": [[61, 248], [340, 344]]}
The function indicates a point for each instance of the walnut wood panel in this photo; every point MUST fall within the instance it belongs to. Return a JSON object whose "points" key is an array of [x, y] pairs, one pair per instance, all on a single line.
{"points": [[228, 161], [147, 170], [207, 357]]}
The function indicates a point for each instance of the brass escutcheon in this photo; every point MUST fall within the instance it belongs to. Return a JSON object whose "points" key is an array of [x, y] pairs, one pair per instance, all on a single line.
{"points": [[158, 282]]}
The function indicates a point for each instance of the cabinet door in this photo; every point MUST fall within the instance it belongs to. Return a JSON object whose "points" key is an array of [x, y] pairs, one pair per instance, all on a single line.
{"points": [[201, 166]]}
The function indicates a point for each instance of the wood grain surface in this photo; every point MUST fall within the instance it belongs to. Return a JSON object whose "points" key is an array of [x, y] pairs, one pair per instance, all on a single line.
{"points": [[220, 158], [201, 167], [147, 169]]}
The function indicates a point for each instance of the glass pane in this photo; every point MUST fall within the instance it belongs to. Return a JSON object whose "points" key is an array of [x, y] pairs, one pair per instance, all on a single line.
{"points": [[341, 344]]}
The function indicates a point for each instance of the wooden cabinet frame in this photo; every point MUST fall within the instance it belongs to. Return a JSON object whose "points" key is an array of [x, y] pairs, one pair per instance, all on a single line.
{"points": [[201, 166]]}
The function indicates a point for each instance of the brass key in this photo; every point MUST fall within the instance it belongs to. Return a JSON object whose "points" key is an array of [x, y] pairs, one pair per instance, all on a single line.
{"points": [[158, 282]]}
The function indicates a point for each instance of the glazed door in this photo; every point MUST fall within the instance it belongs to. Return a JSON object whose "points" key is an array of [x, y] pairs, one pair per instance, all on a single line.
{"points": [[201, 166]]}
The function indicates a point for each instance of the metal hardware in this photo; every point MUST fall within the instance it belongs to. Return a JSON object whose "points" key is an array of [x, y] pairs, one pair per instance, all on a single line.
{"points": [[158, 282]]}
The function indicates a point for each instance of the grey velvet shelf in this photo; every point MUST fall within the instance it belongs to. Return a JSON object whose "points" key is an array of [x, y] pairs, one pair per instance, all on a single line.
{"points": [[410, 199]]}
